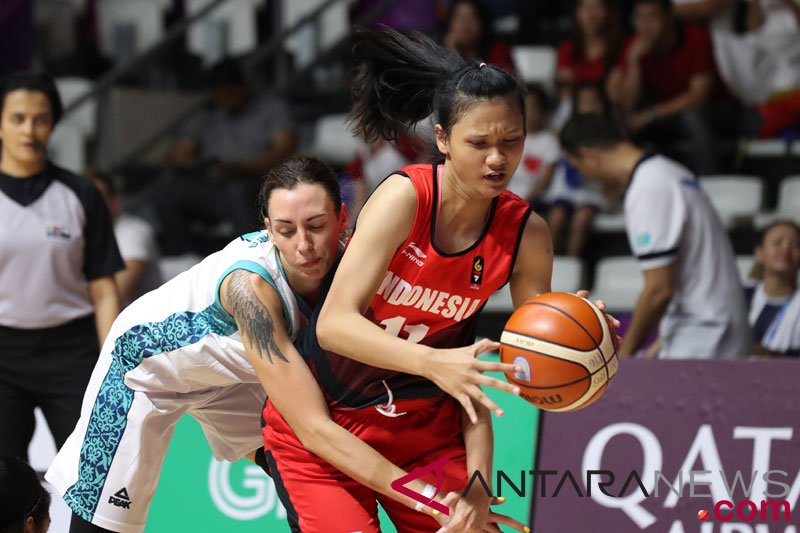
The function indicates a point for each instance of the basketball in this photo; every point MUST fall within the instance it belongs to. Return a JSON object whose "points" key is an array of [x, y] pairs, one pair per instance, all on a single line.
{"points": [[566, 349]]}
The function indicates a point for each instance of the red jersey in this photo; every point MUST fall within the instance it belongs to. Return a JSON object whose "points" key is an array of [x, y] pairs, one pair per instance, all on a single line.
{"points": [[584, 70], [427, 296], [669, 73]]}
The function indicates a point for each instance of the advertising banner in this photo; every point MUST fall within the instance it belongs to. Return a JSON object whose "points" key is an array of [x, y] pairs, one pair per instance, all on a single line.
{"points": [[676, 447]]}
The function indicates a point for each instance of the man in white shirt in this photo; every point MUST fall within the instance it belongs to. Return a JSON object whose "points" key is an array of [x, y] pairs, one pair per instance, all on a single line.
{"points": [[691, 285]]}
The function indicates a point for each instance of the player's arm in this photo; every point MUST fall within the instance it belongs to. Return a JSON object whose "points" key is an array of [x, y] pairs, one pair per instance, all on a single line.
{"points": [[105, 299], [128, 280], [533, 267], [659, 284], [383, 225], [293, 390]]}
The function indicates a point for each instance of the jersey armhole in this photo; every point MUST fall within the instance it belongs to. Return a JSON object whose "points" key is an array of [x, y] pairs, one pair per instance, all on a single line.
{"points": [[255, 268], [523, 223]]}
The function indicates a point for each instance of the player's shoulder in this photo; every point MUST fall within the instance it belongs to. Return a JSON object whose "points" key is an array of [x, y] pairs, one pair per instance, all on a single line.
{"points": [[655, 173]]}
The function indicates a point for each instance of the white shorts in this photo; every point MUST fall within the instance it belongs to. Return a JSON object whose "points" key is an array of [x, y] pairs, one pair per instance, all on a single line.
{"points": [[108, 469]]}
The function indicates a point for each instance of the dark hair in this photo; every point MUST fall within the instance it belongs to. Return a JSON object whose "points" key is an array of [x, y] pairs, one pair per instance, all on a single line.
{"points": [[666, 5], [590, 130], [41, 83], [775, 224], [612, 33], [400, 80], [484, 15], [227, 72], [597, 88], [296, 170], [21, 494], [538, 91]]}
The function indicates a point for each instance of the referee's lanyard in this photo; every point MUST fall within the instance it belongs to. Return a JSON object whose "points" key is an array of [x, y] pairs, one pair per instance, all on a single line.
{"points": [[776, 322]]}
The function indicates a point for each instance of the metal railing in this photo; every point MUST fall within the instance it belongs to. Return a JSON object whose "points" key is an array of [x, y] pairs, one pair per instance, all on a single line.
{"points": [[250, 63]]}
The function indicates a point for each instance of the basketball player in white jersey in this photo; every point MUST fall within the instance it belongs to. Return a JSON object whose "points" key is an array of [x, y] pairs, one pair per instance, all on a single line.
{"points": [[209, 343], [691, 288]]}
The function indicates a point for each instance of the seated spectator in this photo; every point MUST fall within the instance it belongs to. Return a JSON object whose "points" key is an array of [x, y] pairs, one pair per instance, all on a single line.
{"points": [[775, 300], [137, 244], [571, 218], [218, 164], [25, 503], [761, 66], [664, 79], [469, 34], [535, 173], [590, 53], [373, 163]]}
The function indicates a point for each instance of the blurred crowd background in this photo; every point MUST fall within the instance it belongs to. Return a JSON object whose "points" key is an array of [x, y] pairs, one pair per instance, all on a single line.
{"points": [[177, 107]]}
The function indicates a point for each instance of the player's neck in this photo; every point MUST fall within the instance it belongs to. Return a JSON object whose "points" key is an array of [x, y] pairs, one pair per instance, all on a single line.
{"points": [[626, 158], [460, 211], [777, 286]]}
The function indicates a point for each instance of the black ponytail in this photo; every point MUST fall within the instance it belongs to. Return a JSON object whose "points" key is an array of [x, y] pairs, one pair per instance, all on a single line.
{"points": [[400, 80]]}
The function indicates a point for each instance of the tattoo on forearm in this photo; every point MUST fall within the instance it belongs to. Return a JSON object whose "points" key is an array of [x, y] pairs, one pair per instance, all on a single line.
{"points": [[252, 316]]}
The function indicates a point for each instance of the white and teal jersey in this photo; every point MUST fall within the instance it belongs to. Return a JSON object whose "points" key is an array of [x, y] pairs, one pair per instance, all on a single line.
{"points": [[174, 351], [178, 338]]}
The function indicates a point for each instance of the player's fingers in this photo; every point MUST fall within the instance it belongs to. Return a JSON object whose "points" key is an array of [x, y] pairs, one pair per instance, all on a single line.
{"points": [[484, 400], [499, 384], [582, 293], [455, 524], [485, 345], [494, 366], [508, 521], [497, 500], [466, 403]]}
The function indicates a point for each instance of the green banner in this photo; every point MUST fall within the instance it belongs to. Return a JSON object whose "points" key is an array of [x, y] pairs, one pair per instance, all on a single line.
{"points": [[197, 493]]}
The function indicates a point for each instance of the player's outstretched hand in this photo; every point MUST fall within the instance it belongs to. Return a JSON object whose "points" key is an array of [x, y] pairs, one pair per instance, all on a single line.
{"points": [[458, 373], [466, 516]]}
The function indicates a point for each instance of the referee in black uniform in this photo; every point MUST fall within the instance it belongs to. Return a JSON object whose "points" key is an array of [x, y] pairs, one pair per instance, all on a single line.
{"points": [[57, 260]]}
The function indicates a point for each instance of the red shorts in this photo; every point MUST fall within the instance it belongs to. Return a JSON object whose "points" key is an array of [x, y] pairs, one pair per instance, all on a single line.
{"points": [[319, 498]]}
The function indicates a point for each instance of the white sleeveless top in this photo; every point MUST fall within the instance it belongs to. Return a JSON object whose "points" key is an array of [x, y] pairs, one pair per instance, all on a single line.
{"points": [[178, 338]]}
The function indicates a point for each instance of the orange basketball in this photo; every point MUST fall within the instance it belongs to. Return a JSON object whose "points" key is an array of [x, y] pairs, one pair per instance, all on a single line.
{"points": [[566, 348]]}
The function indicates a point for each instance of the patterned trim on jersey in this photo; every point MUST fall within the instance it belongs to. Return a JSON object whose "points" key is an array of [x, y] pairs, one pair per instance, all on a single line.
{"points": [[103, 434], [109, 416]]}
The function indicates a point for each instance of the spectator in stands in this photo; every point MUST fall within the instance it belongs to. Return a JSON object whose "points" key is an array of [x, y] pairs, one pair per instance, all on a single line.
{"points": [[26, 504], [218, 163], [775, 300], [663, 81], [469, 34], [534, 176], [58, 258], [571, 218], [137, 244], [373, 163], [691, 288], [761, 66], [590, 53]]}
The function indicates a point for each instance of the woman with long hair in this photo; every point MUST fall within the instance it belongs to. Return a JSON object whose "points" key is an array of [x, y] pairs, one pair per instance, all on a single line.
{"points": [[395, 354]]}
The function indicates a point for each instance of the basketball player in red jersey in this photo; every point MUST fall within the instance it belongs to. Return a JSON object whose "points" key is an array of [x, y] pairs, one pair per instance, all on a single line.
{"points": [[395, 332]]}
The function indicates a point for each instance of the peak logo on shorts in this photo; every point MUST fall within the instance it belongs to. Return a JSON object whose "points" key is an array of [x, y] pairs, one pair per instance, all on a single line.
{"points": [[120, 499], [414, 254]]}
